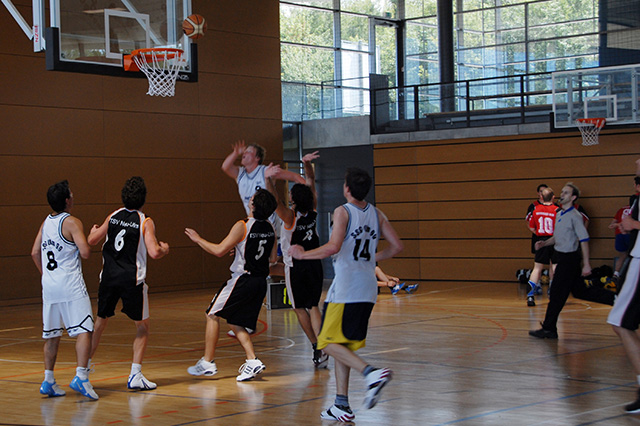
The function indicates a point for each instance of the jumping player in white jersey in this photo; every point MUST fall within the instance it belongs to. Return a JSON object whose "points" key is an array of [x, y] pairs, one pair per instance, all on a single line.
{"points": [[249, 175], [240, 299], [130, 235], [56, 251], [357, 228], [303, 278]]}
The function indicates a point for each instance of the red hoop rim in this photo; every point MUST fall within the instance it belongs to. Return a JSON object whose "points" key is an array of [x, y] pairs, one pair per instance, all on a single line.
{"points": [[161, 54], [597, 122]]}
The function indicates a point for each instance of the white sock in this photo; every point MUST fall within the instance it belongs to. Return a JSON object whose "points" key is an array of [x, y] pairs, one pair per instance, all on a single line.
{"points": [[82, 373], [135, 368], [48, 376]]}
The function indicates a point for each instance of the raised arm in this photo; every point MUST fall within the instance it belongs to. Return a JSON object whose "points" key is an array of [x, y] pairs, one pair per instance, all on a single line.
{"points": [[284, 212], [229, 163], [310, 174], [290, 176], [156, 249], [98, 233], [36, 250], [73, 230], [340, 222], [395, 245], [236, 234]]}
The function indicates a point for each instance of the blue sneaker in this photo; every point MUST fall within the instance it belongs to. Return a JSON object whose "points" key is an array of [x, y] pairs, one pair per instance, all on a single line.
{"points": [[535, 290], [396, 288], [411, 288], [51, 389], [83, 387]]}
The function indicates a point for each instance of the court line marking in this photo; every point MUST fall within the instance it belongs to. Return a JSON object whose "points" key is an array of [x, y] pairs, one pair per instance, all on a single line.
{"points": [[15, 329], [533, 404]]}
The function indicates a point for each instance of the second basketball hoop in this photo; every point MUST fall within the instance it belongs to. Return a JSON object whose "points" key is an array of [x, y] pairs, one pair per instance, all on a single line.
{"points": [[590, 129]]}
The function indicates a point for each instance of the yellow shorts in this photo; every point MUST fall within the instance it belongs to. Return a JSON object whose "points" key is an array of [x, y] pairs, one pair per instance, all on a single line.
{"points": [[345, 324]]}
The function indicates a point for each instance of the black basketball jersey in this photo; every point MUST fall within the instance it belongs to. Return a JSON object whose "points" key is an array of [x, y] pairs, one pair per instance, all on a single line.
{"points": [[253, 252], [124, 254], [305, 233]]}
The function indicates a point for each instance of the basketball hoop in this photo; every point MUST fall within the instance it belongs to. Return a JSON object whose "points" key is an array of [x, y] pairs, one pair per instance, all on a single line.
{"points": [[160, 65], [590, 129]]}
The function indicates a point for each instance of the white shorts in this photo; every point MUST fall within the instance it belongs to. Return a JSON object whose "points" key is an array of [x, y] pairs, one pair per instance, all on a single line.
{"points": [[75, 316]]}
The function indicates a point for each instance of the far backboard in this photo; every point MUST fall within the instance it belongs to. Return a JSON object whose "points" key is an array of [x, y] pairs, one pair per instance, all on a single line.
{"points": [[93, 35], [609, 92]]}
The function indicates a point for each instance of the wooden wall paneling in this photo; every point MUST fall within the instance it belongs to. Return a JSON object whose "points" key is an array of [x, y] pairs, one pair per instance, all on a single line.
{"points": [[69, 132], [520, 169], [235, 96], [25, 81], [493, 270], [447, 210], [151, 135], [473, 195], [470, 248], [395, 193], [26, 179], [478, 228], [518, 190], [244, 18], [399, 211], [254, 55], [406, 229], [20, 280], [403, 268], [218, 134], [395, 155]]}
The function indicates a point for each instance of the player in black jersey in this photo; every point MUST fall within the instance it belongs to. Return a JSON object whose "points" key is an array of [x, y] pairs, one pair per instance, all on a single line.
{"points": [[130, 235], [240, 299], [303, 278]]}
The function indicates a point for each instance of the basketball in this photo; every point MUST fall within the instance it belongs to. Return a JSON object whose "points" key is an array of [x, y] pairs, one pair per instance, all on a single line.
{"points": [[194, 26]]}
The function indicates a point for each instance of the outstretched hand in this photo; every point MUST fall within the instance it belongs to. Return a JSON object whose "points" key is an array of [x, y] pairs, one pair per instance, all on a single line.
{"points": [[272, 170], [239, 147], [192, 234], [310, 157]]}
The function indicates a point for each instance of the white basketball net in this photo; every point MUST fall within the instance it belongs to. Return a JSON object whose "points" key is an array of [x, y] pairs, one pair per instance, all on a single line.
{"points": [[590, 131], [161, 66]]}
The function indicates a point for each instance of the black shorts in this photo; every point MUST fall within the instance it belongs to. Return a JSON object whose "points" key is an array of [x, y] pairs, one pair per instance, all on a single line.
{"points": [[239, 301], [544, 254], [304, 283], [135, 302]]}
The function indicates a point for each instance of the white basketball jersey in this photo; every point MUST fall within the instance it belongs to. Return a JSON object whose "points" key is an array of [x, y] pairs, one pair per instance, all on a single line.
{"points": [[249, 183], [62, 279], [354, 265]]}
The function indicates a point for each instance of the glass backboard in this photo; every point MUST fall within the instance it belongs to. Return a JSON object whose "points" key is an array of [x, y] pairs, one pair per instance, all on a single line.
{"points": [[93, 35]]}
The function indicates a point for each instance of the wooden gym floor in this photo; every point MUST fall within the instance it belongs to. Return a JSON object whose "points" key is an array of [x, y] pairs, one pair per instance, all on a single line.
{"points": [[460, 354]]}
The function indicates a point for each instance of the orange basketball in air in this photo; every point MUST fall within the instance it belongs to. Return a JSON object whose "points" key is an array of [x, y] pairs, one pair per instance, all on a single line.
{"points": [[194, 26]]}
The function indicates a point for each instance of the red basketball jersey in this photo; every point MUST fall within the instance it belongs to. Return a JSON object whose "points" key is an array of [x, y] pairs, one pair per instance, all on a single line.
{"points": [[543, 219]]}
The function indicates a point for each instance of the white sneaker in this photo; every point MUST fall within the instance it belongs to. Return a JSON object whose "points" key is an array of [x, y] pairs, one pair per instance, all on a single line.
{"points": [[139, 382], [320, 359], [83, 387], [376, 380], [250, 369], [338, 413], [203, 368]]}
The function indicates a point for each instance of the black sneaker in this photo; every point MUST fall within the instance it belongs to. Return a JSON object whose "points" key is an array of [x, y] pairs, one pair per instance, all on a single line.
{"points": [[531, 301], [544, 334], [634, 407]]}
